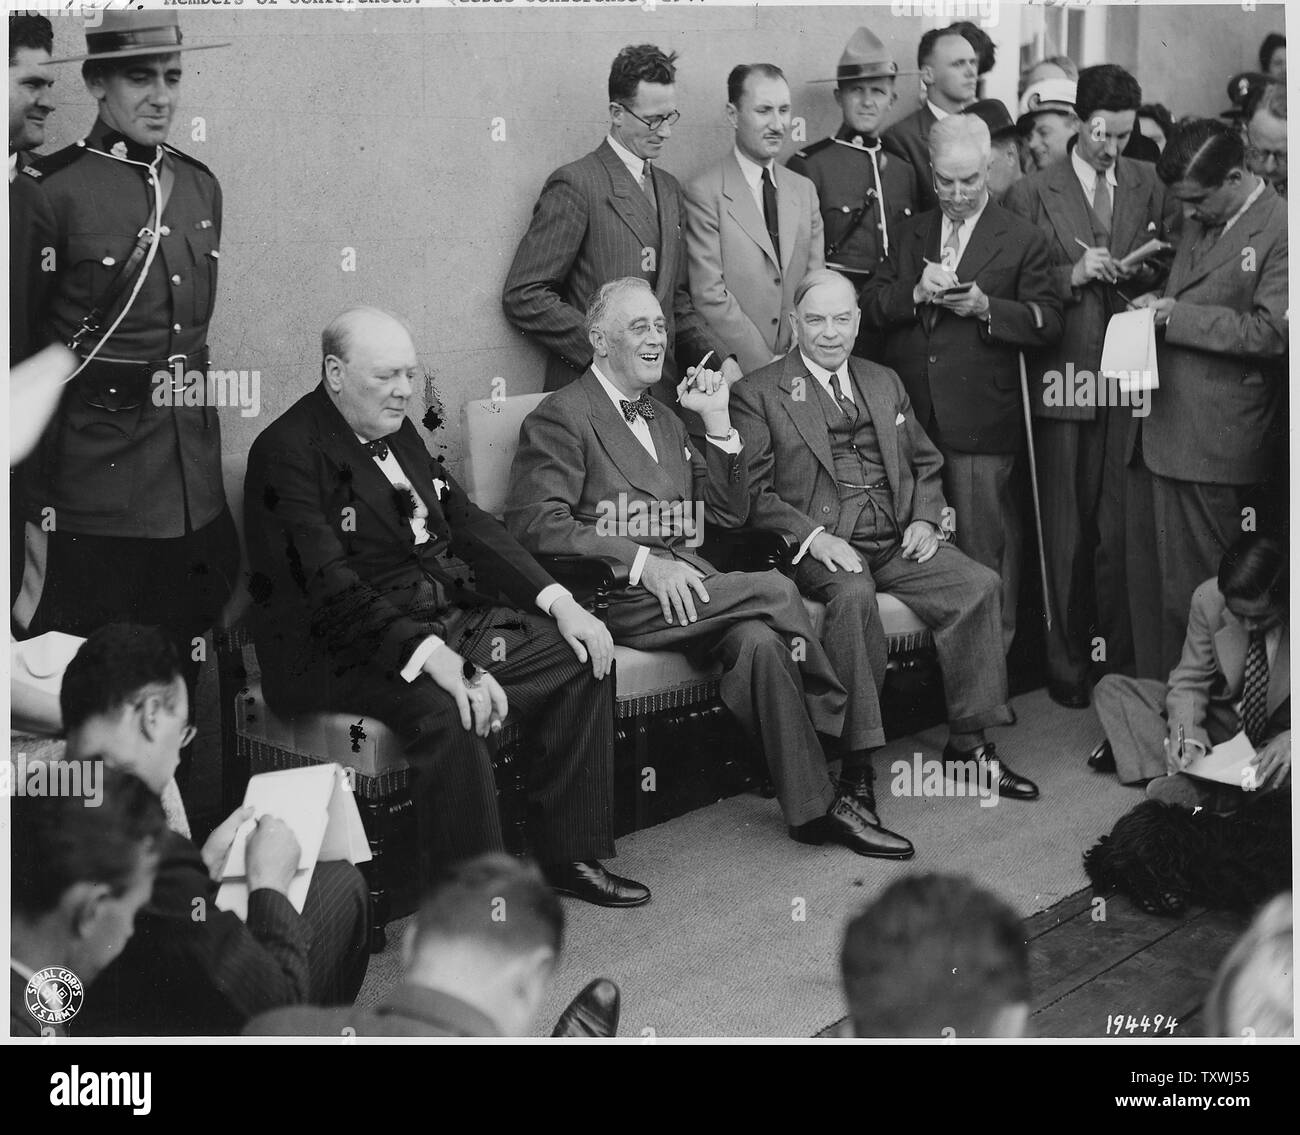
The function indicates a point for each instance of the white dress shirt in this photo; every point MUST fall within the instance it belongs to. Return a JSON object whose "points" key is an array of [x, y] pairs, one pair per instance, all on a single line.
{"points": [[939, 113], [392, 470], [639, 168], [753, 175], [13, 165], [1088, 177], [963, 234], [641, 431]]}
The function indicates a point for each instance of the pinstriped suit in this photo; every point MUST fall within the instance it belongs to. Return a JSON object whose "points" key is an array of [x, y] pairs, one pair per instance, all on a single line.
{"points": [[593, 223], [343, 595], [1080, 449], [182, 975]]}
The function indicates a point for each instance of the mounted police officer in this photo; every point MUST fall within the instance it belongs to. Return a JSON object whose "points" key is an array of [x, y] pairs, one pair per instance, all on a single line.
{"points": [[125, 514], [864, 192]]}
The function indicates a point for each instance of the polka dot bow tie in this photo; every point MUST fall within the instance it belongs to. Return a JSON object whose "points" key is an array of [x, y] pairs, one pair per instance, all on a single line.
{"points": [[642, 406]]}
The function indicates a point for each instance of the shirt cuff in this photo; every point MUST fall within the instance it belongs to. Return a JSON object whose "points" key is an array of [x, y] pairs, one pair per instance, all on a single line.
{"points": [[415, 663], [634, 577], [548, 595], [804, 546], [731, 445]]}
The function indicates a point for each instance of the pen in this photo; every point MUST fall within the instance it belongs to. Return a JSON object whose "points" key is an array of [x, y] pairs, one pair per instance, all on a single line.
{"points": [[700, 365], [1083, 244]]}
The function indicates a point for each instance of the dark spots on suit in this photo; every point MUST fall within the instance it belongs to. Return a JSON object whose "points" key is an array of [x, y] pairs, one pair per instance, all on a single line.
{"points": [[432, 419], [345, 474], [294, 559], [404, 502], [357, 734], [270, 498]]}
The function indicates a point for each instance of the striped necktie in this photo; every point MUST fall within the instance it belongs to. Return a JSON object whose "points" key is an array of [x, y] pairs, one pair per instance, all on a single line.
{"points": [[1254, 689]]}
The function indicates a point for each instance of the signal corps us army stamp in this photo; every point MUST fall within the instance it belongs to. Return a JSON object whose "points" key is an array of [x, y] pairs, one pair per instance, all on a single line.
{"points": [[54, 995]]}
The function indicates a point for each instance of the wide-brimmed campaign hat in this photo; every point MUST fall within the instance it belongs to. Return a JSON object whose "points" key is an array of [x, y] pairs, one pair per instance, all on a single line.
{"points": [[1057, 95], [121, 35], [865, 57], [995, 115]]}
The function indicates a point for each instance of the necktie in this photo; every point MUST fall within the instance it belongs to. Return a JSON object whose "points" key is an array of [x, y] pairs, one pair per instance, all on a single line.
{"points": [[952, 247], [378, 449], [769, 212], [642, 406], [648, 186], [839, 385], [1254, 689], [1101, 206]]}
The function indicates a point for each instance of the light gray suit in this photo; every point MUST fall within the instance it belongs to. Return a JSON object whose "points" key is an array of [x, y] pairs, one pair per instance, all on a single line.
{"points": [[1210, 438], [577, 459], [1201, 695], [794, 486], [737, 282]]}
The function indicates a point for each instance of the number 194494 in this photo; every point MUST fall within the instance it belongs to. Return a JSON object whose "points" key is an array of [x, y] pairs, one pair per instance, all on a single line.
{"points": [[1118, 1024]]}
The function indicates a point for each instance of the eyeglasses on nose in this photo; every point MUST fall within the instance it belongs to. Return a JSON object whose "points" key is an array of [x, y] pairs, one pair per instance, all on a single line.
{"points": [[656, 121]]}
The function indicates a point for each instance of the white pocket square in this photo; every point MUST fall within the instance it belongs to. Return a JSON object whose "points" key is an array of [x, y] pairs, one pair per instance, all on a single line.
{"points": [[899, 420]]}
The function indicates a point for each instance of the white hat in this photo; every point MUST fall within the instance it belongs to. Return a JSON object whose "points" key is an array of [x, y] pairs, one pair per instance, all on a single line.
{"points": [[1047, 94]]}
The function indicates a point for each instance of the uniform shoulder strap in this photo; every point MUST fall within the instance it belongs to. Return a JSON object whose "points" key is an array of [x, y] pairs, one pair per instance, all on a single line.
{"points": [[46, 164], [187, 158]]}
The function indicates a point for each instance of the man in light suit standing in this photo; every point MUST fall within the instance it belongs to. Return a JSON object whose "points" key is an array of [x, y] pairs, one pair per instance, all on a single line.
{"points": [[1234, 676], [600, 455], [753, 228], [1196, 462], [610, 214], [839, 461]]}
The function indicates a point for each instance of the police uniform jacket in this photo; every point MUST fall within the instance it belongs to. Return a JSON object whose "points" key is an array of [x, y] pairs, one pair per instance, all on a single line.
{"points": [[126, 456]]}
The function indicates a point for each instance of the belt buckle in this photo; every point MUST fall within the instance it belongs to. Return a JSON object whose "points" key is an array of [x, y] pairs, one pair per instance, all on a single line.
{"points": [[178, 384]]}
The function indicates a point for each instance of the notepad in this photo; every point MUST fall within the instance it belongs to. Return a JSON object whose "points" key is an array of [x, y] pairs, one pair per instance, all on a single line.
{"points": [[1143, 253], [317, 804], [1129, 352], [1226, 763]]}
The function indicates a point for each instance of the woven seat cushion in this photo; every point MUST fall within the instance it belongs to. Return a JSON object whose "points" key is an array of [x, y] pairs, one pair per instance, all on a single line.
{"points": [[367, 746]]}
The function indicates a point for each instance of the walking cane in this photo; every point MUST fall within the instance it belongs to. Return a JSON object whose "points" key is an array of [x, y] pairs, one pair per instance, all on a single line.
{"points": [[1033, 482]]}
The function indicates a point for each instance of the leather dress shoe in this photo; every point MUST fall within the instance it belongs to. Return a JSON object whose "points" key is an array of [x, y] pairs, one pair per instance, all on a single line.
{"points": [[590, 882], [1070, 695], [848, 823], [1102, 758], [1010, 784], [594, 1012]]}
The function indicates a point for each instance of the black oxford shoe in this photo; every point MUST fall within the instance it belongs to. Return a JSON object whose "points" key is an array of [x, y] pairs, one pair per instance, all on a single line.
{"points": [[847, 823], [594, 1012], [1010, 784], [590, 882], [1102, 758]]}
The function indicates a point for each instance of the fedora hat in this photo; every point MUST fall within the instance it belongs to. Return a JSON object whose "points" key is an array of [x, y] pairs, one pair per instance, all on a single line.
{"points": [[995, 115], [123, 34], [865, 57], [1242, 89]]}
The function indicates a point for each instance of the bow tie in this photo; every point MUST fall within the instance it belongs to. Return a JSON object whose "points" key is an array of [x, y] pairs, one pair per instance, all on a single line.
{"points": [[378, 449], [642, 406]]}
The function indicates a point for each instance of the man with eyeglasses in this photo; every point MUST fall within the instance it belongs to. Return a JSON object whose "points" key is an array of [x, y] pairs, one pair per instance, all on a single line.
{"points": [[1265, 120], [610, 215], [967, 286], [189, 968]]}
